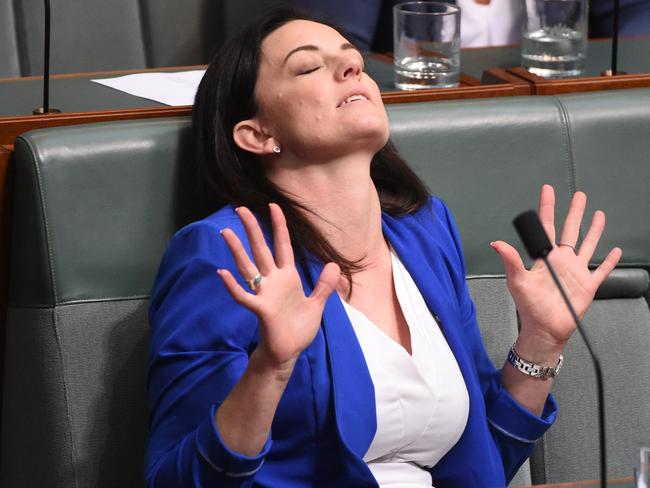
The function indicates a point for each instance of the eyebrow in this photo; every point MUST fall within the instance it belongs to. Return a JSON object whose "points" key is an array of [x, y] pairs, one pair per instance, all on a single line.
{"points": [[311, 47]]}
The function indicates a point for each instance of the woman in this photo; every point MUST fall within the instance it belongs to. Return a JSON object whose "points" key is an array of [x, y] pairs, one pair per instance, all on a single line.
{"points": [[368, 370]]}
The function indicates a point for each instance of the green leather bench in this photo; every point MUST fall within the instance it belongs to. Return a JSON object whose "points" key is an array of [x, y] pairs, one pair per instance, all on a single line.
{"points": [[95, 206]]}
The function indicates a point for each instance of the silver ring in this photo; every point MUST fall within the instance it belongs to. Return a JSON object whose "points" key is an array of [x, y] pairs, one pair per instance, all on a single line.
{"points": [[567, 245], [255, 282]]}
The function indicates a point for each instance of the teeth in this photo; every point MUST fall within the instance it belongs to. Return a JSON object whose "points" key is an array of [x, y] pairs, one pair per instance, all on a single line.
{"points": [[353, 98]]}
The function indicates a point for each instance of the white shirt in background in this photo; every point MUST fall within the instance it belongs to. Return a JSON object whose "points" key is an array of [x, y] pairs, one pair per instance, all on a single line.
{"points": [[495, 24]]}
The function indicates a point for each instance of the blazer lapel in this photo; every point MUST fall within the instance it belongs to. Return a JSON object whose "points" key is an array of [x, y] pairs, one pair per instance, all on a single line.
{"points": [[353, 390], [424, 258]]}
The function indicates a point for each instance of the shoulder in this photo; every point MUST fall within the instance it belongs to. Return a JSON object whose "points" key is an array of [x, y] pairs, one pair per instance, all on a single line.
{"points": [[207, 229], [190, 307], [432, 227], [427, 242], [194, 253], [202, 240], [437, 219], [435, 208]]}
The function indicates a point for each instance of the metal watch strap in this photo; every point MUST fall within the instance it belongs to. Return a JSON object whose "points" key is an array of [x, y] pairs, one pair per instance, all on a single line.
{"points": [[532, 369]]}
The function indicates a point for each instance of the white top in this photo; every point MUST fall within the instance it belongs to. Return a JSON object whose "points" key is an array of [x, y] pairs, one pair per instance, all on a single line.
{"points": [[495, 24], [421, 399]]}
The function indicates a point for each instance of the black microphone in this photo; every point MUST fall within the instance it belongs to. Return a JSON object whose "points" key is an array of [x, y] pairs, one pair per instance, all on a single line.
{"points": [[615, 38], [536, 241], [45, 109], [613, 71]]}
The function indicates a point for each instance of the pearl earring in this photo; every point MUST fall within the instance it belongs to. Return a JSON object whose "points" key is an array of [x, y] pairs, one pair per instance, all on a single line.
{"points": [[276, 149]]}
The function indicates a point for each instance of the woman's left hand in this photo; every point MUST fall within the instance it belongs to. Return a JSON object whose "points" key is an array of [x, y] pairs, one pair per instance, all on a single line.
{"points": [[545, 318]]}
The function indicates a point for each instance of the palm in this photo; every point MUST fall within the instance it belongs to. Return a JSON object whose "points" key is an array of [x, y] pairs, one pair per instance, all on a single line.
{"points": [[539, 303], [289, 320]]}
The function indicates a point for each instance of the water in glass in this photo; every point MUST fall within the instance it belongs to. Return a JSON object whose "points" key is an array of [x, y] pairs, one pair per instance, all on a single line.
{"points": [[554, 51], [417, 72]]}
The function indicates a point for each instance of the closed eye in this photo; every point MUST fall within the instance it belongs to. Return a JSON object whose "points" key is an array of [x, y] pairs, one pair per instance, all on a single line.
{"points": [[310, 70]]}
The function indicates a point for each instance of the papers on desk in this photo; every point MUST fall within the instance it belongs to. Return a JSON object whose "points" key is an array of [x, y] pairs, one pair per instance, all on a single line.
{"points": [[174, 89]]}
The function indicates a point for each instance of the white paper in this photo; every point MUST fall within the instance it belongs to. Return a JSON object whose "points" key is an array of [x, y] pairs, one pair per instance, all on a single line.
{"points": [[175, 89]]}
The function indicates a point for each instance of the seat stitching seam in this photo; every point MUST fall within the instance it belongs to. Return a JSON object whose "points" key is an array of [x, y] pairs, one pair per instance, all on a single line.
{"points": [[68, 414], [568, 146]]}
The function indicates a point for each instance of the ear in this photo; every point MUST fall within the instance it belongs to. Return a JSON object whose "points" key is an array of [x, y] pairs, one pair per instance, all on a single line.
{"points": [[250, 136]]}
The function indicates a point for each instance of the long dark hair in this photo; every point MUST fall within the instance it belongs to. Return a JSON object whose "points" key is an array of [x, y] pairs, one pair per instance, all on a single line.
{"points": [[230, 175]]}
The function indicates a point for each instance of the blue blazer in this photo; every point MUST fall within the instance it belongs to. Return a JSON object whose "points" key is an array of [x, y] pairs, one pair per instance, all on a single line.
{"points": [[634, 18], [325, 422]]}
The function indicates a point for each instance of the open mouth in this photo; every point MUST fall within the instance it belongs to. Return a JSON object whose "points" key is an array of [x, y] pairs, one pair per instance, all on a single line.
{"points": [[352, 99]]}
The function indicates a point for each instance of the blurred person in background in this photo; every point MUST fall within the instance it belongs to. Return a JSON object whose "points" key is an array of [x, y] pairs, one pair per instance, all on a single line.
{"points": [[369, 23]]}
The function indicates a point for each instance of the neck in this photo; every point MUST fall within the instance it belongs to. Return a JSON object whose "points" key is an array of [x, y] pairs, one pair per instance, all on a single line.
{"points": [[344, 200]]}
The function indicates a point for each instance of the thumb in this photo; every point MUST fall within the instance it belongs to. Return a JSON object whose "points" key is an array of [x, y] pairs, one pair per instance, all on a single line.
{"points": [[327, 281], [512, 263]]}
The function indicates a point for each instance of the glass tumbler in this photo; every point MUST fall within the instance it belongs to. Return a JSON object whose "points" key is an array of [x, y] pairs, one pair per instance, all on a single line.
{"points": [[426, 45], [554, 41]]}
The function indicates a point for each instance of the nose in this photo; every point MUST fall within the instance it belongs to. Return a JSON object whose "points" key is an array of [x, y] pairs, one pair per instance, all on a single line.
{"points": [[349, 67]]}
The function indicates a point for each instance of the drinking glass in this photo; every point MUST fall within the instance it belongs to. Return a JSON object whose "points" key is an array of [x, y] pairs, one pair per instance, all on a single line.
{"points": [[427, 45], [642, 471], [554, 43]]}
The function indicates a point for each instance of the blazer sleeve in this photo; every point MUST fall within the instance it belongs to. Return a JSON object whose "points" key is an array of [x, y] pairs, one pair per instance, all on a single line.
{"points": [[199, 348], [514, 429]]}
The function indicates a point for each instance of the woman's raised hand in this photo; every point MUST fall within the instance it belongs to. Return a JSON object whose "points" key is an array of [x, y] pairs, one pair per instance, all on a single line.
{"points": [[544, 316], [289, 320]]}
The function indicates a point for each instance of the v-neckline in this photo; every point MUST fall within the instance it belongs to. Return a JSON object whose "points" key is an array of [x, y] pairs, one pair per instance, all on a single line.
{"points": [[393, 259]]}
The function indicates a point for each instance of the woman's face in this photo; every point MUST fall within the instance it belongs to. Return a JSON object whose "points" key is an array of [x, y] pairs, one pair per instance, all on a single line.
{"points": [[314, 97]]}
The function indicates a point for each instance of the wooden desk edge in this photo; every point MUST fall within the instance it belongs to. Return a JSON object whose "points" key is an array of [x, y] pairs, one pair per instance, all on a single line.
{"points": [[459, 93], [12, 127], [543, 86]]}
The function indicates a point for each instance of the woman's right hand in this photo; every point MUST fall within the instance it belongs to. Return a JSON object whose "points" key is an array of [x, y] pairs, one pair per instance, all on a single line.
{"points": [[289, 320]]}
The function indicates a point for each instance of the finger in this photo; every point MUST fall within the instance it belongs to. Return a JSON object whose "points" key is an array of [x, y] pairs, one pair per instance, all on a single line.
{"points": [[245, 266], [512, 263], [261, 252], [327, 282], [571, 227], [602, 272], [281, 239], [240, 295], [588, 245], [547, 210]]}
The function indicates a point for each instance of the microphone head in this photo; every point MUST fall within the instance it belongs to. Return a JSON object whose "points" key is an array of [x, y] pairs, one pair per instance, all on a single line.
{"points": [[532, 234]]}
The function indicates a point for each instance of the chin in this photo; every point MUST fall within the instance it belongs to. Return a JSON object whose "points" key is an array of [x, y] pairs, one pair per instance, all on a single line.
{"points": [[372, 130]]}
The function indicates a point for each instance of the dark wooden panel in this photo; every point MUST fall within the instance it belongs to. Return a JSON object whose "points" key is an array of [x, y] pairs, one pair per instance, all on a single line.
{"points": [[544, 86]]}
